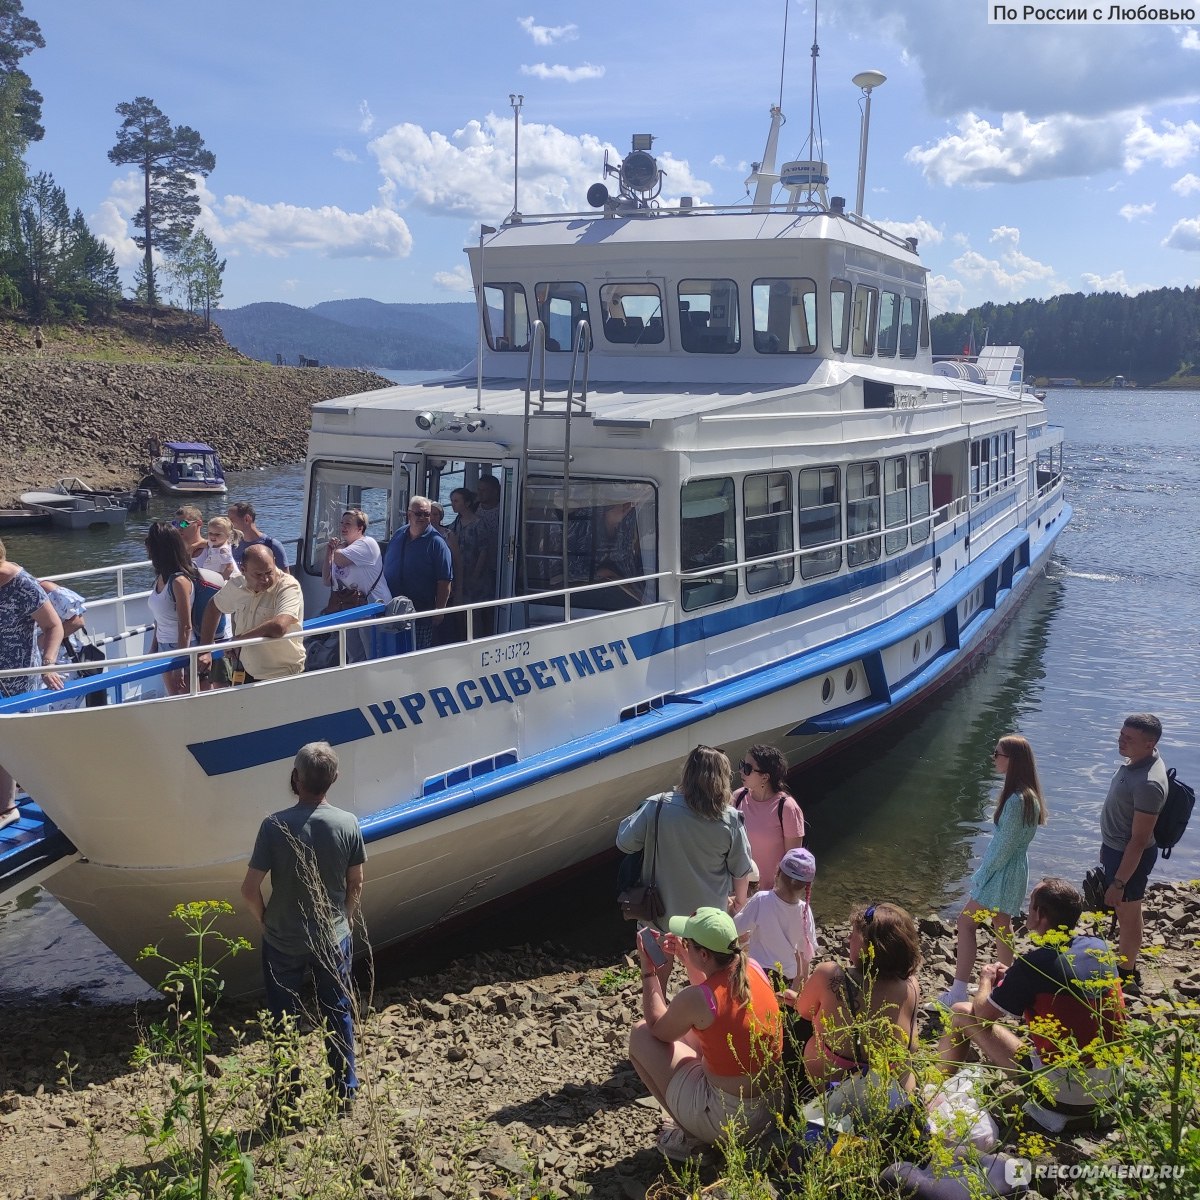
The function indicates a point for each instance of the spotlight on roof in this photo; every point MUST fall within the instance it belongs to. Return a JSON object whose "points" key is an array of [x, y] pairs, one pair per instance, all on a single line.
{"points": [[428, 420]]}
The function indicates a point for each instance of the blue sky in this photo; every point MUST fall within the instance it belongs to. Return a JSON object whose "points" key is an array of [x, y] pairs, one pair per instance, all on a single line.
{"points": [[360, 145]]}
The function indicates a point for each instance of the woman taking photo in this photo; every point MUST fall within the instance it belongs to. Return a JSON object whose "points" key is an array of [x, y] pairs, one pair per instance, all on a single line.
{"points": [[353, 571], [774, 822], [706, 1056], [869, 1006], [170, 600], [701, 853], [1002, 879]]}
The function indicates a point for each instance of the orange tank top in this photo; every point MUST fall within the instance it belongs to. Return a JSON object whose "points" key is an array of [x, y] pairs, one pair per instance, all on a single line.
{"points": [[743, 1038]]}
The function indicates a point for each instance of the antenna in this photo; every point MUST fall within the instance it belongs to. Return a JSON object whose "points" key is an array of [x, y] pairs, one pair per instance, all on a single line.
{"points": [[516, 102], [783, 52], [814, 151], [868, 81]]}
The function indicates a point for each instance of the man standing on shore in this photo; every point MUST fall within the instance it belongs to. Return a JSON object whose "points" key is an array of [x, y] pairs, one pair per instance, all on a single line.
{"points": [[242, 517], [1128, 851], [314, 854]]}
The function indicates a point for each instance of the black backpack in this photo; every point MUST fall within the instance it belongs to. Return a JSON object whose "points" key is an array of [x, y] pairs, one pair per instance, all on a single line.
{"points": [[1175, 814], [740, 797]]}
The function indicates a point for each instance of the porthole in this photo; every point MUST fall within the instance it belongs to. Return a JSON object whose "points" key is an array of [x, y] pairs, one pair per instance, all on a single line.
{"points": [[850, 680], [928, 641], [916, 649], [827, 689]]}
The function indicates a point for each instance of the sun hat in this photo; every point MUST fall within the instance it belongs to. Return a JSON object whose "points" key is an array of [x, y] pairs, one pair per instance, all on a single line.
{"points": [[753, 876], [712, 928], [799, 864]]}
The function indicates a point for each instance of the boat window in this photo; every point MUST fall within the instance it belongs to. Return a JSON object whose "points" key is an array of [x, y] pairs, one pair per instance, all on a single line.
{"points": [[918, 494], [612, 529], [335, 487], [839, 314], [560, 307], [862, 512], [707, 538], [506, 316], [708, 316], [866, 311], [785, 316], [767, 529], [820, 501], [895, 504], [975, 455], [889, 324], [633, 313], [924, 325], [910, 310], [996, 464]]}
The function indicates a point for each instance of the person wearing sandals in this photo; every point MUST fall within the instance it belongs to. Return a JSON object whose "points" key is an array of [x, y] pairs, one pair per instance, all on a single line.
{"points": [[1002, 879], [710, 1055], [871, 1005]]}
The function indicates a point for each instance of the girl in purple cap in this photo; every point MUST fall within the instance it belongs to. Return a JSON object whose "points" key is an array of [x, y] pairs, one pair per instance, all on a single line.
{"points": [[778, 924]]}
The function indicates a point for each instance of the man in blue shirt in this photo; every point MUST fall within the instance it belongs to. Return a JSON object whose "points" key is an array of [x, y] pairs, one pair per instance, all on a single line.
{"points": [[417, 565], [242, 517]]}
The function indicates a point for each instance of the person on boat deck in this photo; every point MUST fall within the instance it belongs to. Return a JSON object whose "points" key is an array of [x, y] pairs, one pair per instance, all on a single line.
{"points": [[418, 565], [242, 517], [869, 1007], [709, 1056], [354, 562], [189, 520], [453, 628], [170, 600], [481, 581], [1069, 996], [264, 602], [25, 610], [774, 820], [217, 552], [71, 608], [314, 854]]}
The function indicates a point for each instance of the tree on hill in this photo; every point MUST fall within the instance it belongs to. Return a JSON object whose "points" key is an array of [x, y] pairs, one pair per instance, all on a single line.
{"points": [[19, 35], [197, 271], [169, 159]]}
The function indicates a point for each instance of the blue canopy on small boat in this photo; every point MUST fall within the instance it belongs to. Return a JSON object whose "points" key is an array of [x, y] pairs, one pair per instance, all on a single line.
{"points": [[201, 447]]}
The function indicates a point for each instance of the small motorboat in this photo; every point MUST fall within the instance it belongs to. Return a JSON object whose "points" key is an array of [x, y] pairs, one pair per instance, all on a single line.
{"points": [[22, 518], [134, 499], [187, 469], [76, 512]]}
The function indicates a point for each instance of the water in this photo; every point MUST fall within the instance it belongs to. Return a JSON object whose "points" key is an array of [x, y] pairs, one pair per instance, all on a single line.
{"points": [[1110, 630]]}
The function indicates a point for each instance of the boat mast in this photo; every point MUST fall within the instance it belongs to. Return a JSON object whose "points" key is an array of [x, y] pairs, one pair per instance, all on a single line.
{"points": [[516, 102], [764, 172]]}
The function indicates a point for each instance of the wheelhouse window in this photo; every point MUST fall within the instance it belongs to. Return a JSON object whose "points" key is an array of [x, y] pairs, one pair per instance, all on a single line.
{"points": [[866, 313], [337, 486], [839, 314], [560, 308], [918, 494], [611, 529], [633, 313], [925, 325], [708, 316], [767, 529], [785, 316], [889, 325], [862, 512], [910, 319], [506, 316], [820, 500], [707, 539], [895, 504]]}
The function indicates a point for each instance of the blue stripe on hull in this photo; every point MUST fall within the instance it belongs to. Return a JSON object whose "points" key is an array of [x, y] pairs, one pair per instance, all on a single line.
{"points": [[221, 756]]}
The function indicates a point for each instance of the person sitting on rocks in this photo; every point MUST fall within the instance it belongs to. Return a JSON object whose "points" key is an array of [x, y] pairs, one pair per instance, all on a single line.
{"points": [[1067, 993], [706, 1056]]}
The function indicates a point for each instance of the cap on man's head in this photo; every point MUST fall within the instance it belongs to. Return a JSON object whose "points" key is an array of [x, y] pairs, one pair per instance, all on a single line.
{"points": [[799, 864], [712, 928]]}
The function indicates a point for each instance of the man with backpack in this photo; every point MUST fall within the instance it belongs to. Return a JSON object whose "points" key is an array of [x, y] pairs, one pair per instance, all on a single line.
{"points": [[1128, 850]]}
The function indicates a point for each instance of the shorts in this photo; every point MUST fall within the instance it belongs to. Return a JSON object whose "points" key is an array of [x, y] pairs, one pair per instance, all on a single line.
{"points": [[704, 1109], [1135, 885]]}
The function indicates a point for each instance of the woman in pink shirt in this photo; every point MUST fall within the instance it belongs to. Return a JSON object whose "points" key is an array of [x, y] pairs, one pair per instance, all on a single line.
{"points": [[774, 822]]}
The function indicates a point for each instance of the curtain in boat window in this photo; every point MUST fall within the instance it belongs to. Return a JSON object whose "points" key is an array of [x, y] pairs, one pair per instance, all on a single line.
{"points": [[895, 504], [918, 494]]}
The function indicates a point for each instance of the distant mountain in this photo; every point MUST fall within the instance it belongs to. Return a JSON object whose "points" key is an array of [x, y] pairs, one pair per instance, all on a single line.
{"points": [[355, 333]]}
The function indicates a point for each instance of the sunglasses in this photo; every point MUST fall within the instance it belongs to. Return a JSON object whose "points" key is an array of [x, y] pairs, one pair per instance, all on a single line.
{"points": [[183, 524], [999, 754], [748, 768]]}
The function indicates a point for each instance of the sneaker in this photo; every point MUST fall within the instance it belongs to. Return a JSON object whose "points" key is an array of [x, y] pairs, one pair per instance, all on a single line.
{"points": [[951, 996], [1131, 982], [677, 1144]]}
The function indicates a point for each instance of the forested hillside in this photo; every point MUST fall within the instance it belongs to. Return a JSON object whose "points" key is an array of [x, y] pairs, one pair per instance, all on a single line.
{"points": [[1149, 338], [355, 333]]}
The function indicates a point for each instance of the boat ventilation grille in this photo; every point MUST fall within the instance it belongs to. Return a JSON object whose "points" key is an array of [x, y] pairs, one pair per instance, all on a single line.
{"points": [[464, 774], [642, 707]]}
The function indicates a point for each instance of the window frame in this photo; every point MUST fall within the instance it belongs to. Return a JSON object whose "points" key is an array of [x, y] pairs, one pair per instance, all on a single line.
{"points": [[720, 587], [822, 557], [796, 285], [783, 571], [862, 553]]}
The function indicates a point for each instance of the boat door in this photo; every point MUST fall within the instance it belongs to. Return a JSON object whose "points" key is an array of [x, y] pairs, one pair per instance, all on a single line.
{"points": [[407, 466]]}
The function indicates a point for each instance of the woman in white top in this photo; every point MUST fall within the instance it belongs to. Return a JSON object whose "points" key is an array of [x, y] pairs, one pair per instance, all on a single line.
{"points": [[354, 562], [170, 601]]}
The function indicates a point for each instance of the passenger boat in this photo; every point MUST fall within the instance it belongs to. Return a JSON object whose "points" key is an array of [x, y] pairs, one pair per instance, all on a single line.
{"points": [[739, 502], [187, 469]]}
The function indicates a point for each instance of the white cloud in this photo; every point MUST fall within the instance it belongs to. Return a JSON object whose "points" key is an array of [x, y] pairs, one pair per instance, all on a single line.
{"points": [[1186, 185], [1012, 273], [566, 74], [718, 160], [469, 172], [278, 229], [345, 155], [1171, 146], [1132, 211], [925, 233], [110, 223], [547, 35], [1191, 38], [458, 280], [1116, 282], [289, 285], [366, 118], [947, 295], [1184, 235]]}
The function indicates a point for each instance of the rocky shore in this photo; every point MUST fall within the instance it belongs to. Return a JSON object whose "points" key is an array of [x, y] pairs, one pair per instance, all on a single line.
{"points": [[501, 1074]]}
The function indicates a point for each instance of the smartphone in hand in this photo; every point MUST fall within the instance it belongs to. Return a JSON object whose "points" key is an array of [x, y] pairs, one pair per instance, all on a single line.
{"points": [[654, 952]]}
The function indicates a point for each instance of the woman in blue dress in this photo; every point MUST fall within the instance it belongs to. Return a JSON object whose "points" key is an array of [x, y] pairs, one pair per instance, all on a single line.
{"points": [[1002, 879]]}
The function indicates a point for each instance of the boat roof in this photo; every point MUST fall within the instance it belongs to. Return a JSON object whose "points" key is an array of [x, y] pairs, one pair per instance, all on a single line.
{"points": [[190, 447]]}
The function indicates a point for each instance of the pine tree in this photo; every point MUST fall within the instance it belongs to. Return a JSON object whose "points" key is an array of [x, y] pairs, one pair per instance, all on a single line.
{"points": [[169, 159], [19, 35]]}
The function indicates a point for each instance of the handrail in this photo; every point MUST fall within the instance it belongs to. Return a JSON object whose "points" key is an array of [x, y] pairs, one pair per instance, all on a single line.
{"points": [[582, 344]]}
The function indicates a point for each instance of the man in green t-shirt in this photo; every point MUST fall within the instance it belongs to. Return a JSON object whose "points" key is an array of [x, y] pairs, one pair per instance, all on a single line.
{"points": [[314, 854]]}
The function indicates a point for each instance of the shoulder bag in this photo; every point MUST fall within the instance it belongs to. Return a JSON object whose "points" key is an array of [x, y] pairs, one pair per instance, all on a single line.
{"points": [[643, 901]]}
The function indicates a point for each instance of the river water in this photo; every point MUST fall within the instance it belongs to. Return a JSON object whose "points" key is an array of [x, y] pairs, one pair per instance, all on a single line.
{"points": [[1111, 629]]}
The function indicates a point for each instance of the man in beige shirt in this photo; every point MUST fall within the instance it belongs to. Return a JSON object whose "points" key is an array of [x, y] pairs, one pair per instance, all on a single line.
{"points": [[265, 602]]}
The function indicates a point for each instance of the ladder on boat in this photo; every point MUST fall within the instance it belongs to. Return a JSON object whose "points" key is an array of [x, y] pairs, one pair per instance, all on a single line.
{"points": [[561, 407]]}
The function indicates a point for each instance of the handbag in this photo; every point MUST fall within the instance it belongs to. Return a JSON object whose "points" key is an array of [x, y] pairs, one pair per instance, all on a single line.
{"points": [[643, 901], [1094, 887], [342, 598], [88, 651]]}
